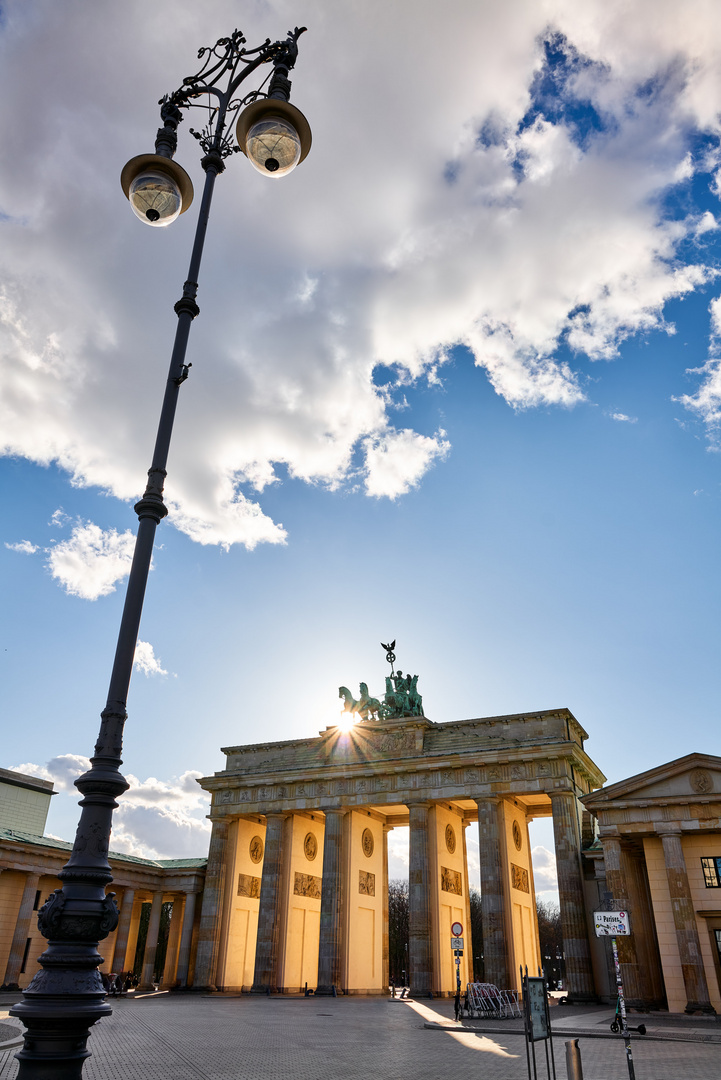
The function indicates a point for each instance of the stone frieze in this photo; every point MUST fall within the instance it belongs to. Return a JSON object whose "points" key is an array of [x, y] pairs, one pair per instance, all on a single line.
{"points": [[451, 881], [249, 886], [307, 885], [366, 883]]}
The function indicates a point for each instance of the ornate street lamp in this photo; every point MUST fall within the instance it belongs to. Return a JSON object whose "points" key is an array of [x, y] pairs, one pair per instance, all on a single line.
{"points": [[66, 997]]}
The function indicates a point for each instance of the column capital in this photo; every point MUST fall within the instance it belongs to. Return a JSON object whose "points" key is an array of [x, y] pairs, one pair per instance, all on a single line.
{"points": [[220, 824], [564, 792]]}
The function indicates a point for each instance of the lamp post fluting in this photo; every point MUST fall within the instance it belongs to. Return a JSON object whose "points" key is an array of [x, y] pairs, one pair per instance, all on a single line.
{"points": [[66, 997]]}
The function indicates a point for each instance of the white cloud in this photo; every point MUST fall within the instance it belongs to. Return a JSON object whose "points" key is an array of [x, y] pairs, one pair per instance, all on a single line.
{"points": [[155, 819], [59, 518], [706, 223], [715, 309], [544, 870], [23, 546], [62, 770], [381, 250], [396, 461], [706, 402], [146, 661], [623, 418], [91, 561]]}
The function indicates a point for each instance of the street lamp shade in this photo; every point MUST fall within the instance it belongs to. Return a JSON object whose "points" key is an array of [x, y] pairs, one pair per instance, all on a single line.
{"points": [[157, 188], [274, 136]]}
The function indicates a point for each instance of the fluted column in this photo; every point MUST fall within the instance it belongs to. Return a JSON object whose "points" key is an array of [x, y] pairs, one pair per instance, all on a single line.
{"points": [[493, 900], [22, 933], [385, 955], [171, 955], [151, 942], [689, 946], [265, 977], [579, 974], [121, 938], [186, 937], [627, 955], [210, 916], [420, 947], [467, 932], [329, 947]]}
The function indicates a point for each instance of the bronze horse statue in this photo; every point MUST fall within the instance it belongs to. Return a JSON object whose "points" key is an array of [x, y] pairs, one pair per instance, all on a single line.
{"points": [[366, 708]]}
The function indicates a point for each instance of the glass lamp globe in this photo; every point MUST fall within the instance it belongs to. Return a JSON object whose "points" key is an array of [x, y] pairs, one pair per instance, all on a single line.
{"points": [[273, 146], [155, 197]]}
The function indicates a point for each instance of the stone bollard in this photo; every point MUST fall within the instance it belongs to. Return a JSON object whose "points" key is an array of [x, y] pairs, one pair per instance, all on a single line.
{"points": [[573, 1060]]}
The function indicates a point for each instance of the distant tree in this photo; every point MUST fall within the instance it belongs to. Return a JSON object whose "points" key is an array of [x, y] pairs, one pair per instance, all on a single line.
{"points": [[551, 937], [166, 913], [162, 943], [398, 927], [142, 938], [476, 962]]}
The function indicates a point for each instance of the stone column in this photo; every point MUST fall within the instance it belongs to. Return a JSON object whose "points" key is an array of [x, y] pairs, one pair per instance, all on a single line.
{"points": [[22, 933], [151, 942], [579, 974], [132, 948], [385, 953], [171, 955], [210, 916], [689, 946], [186, 937], [628, 957], [493, 901], [265, 977], [467, 907], [121, 938], [420, 950], [330, 944]]}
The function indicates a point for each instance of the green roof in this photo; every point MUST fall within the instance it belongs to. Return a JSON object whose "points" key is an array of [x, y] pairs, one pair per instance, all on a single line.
{"points": [[179, 864], [62, 845]]}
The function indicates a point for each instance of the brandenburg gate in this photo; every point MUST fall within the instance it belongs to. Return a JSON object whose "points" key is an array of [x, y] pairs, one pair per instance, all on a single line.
{"points": [[296, 891]]}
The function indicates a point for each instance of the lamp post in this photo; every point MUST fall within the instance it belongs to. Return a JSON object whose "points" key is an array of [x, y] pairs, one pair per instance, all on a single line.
{"points": [[66, 997]]}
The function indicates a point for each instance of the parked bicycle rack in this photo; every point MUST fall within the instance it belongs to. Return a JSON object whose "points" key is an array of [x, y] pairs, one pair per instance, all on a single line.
{"points": [[487, 1002]]}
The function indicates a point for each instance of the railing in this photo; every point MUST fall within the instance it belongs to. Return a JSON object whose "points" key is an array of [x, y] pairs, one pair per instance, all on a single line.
{"points": [[486, 1001]]}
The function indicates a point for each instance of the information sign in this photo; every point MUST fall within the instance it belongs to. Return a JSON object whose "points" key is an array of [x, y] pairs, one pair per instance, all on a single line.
{"points": [[456, 942], [611, 923], [456, 929], [537, 1009]]}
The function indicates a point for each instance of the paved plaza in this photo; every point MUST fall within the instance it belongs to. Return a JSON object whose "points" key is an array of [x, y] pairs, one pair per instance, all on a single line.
{"points": [[197, 1037]]}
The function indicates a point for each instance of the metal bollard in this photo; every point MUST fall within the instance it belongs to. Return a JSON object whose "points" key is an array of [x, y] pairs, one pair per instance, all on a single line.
{"points": [[573, 1060]]}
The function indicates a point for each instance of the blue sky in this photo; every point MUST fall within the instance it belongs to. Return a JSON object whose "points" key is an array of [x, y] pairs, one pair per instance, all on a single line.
{"points": [[457, 387]]}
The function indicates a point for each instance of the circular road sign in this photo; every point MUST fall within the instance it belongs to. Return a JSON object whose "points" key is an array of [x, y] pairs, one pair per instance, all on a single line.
{"points": [[457, 929]]}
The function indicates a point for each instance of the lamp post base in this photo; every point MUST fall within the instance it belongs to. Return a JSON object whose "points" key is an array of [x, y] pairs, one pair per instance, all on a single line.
{"points": [[56, 1035]]}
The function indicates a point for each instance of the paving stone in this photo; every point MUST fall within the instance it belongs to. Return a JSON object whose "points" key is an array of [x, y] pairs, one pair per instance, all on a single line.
{"points": [[191, 1037]]}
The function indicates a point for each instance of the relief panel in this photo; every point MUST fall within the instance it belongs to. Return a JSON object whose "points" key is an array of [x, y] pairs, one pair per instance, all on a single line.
{"points": [[519, 878], [451, 881], [307, 885], [249, 886], [366, 883]]}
